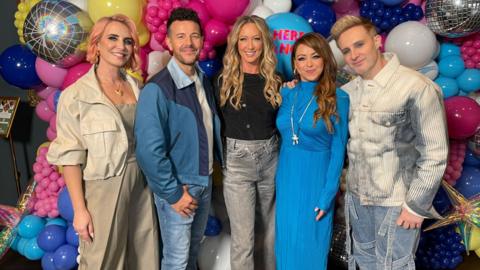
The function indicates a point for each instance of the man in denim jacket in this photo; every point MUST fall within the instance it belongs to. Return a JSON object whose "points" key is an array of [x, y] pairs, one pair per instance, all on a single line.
{"points": [[397, 150], [177, 132]]}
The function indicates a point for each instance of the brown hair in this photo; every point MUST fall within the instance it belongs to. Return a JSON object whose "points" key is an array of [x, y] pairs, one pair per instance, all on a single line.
{"points": [[325, 90]]}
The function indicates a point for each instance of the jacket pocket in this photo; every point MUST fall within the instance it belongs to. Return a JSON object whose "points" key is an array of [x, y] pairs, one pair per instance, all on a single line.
{"points": [[98, 134], [389, 119]]}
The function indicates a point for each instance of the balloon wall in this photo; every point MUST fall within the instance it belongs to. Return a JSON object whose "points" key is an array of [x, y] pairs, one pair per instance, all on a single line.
{"points": [[439, 38]]}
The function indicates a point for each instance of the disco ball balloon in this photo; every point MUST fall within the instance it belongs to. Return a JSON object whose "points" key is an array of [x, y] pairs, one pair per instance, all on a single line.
{"points": [[453, 18], [57, 32]]}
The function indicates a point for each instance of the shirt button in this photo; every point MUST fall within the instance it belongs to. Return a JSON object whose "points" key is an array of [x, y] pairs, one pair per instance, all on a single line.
{"points": [[248, 125], [244, 105], [387, 123]]}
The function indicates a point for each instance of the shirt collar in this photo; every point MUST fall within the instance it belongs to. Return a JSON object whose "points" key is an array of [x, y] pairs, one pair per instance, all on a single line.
{"points": [[181, 79], [388, 70]]}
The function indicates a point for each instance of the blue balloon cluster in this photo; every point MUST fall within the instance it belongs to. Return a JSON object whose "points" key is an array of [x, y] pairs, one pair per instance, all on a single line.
{"points": [[387, 17], [319, 15], [214, 226], [440, 249]]}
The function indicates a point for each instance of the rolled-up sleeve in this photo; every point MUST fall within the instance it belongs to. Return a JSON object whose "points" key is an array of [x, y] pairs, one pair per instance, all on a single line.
{"points": [[68, 148], [431, 141]]}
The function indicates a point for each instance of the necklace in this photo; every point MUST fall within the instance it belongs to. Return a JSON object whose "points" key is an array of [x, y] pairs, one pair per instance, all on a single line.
{"points": [[118, 91], [295, 138]]}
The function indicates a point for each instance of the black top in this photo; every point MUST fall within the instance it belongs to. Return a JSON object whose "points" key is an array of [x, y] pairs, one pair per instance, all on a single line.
{"points": [[255, 120]]}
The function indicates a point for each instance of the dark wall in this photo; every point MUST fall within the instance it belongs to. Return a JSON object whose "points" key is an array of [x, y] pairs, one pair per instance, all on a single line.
{"points": [[28, 132]]}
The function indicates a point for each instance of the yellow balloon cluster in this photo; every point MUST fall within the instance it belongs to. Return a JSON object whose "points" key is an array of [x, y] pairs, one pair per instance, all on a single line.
{"points": [[475, 240], [131, 8], [22, 12]]}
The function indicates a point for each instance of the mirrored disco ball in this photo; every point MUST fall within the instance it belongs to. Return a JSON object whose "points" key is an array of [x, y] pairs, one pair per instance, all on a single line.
{"points": [[453, 18], [57, 32]]}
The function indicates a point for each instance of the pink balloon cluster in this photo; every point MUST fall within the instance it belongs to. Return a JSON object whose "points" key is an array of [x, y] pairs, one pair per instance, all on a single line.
{"points": [[470, 48], [156, 17], [456, 156], [49, 183]]}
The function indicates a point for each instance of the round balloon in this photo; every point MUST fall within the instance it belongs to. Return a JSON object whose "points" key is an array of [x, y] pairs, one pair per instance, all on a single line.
{"points": [[51, 237], [57, 31], [430, 70], [449, 86], [286, 28], [463, 117], [32, 250], [17, 67], [47, 261], [65, 205], [469, 80], [414, 43], [130, 8], [65, 257], [449, 49], [214, 253], [471, 159], [50, 74], [30, 226], [469, 183], [278, 6], [451, 66], [72, 236], [216, 32], [320, 16], [262, 11], [75, 72], [226, 11], [210, 67]]}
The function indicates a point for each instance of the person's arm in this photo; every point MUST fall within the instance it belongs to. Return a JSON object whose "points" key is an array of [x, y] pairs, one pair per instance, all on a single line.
{"points": [[431, 141], [337, 156], [82, 221], [151, 125]]}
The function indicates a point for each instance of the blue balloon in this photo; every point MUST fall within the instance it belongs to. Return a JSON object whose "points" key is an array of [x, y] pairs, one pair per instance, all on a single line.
{"points": [[451, 66], [47, 261], [51, 237], [14, 243], [72, 236], [64, 205], [392, 2], [56, 96], [469, 80], [210, 67], [469, 182], [471, 159], [449, 86], [286, 28], [30, 226], [22, 243], [449, 49], [214, 226], [320, 16], [32, 251], [441, 202], [56, 221], [17, 67], [65, 257]]}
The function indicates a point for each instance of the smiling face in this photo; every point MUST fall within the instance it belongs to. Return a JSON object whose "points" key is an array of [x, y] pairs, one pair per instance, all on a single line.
{"points": [[308, 63], [115, 46], [361, 52], [185, 41], [250, 46]]}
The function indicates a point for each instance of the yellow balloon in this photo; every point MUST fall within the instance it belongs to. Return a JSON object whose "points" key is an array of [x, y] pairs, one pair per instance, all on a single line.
{"points": [[143, 34], [101, 8], [23, 10], [137, 75], [475, 238]]}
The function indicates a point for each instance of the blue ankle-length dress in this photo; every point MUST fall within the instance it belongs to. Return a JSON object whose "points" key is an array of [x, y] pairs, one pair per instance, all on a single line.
{"points": [[307, 177]]}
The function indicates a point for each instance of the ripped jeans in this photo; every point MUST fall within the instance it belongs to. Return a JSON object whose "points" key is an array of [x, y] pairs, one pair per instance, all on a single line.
{"points": [[374, 240]]}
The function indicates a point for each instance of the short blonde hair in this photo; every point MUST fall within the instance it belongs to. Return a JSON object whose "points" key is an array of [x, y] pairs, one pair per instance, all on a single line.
{"points": [[349, 21]]}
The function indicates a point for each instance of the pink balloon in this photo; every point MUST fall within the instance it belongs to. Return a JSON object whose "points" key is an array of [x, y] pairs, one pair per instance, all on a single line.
{"points": [[43, 151], [463, 116], [216, 32], [61, 182], [38, 176], [53, 213], [41, 212], [53, 186], [54, 176], [46, 171], [43, 111], [53, 124], [51, 134], [37, 167], [200, 9], [44, 92], [75, 72], [226, 10], [155, 45], [50, 74]]}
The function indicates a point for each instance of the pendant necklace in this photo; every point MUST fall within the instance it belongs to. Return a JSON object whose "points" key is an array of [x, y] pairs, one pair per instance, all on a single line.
{"points": [[295, 138]]}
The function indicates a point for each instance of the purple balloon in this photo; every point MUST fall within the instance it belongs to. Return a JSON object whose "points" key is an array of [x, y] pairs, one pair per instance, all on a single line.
{"points": [[47, 261], [469, 182], [64, 205], [51, 237], [65, 257]]}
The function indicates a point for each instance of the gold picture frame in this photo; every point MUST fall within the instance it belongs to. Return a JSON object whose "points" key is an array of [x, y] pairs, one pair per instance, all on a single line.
{"points": [[8, 108]]}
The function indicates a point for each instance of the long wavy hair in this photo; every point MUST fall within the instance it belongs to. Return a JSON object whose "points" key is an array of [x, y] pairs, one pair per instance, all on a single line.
{"points": [[232, 74], [326, 88]]}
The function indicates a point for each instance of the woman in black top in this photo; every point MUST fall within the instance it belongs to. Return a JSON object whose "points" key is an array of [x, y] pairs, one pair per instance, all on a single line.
{"points": [[248, 95]]}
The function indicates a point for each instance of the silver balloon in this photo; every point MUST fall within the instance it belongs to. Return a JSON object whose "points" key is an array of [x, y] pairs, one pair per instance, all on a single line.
{"points": [[453, 18], [57, 32]]}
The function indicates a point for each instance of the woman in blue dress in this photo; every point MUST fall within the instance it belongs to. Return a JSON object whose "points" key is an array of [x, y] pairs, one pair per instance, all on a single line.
{"points": [[312, 121]]}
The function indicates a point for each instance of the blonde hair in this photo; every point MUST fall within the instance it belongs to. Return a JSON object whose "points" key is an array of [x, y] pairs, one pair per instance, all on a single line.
{"points": [[97, 33], [325, 90], [349, 21], [232, 76]]}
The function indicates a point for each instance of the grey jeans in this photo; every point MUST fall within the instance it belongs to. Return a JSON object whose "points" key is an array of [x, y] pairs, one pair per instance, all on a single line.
{"points": [[375, 240], [249, 190]]}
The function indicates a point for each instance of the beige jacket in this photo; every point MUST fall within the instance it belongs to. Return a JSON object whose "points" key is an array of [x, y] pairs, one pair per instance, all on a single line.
{"points": [[90, 130]]}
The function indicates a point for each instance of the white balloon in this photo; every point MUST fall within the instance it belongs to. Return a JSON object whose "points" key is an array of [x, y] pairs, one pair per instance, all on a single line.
{"points": [[82, 4], [157, 61], [262, 11], [278, 6], [214, 253], [337, 54], [413, 42], [430, 70], [252, 6]]}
